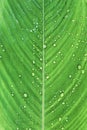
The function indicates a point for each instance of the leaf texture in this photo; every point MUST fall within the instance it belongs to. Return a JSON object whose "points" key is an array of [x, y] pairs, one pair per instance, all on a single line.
{"points": [[43, 65]]}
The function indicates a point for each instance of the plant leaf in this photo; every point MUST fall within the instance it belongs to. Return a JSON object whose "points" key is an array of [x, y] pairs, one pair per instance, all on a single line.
{"points": [[43, 65]]}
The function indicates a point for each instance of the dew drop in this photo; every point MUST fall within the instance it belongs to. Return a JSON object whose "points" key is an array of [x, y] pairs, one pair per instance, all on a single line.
{"points": [[62, 128], [54, 45], [22, 38], [25, 95], [40, 68], [73, 20], [83, 71], [3, 50], [63, 103], [47, 77], [0, 57], [41, 59], [60, 118], [12, 94], [79, 67], [70, 76], [31, 31], [20, 75], [54, 62], [33, 62], [44, 46], [33, 74], [24, 106], [62, 94]]}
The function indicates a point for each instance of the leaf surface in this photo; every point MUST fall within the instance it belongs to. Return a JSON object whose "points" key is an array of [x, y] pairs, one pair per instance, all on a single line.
{"points": [[43, 65]]}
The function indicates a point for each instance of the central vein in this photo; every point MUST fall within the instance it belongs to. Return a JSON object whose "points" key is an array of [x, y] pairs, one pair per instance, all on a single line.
{"points": [[43, 76]]}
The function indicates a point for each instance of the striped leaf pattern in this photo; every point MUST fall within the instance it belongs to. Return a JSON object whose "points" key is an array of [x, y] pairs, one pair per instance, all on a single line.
{"points": [[43, 64]]}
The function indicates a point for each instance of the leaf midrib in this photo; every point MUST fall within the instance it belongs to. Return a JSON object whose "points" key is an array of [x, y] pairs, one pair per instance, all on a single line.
{"points": [[43, 76]]}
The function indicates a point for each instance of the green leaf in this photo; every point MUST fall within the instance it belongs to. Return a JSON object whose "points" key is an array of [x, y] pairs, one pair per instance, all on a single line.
{"points": [[43, 65]]}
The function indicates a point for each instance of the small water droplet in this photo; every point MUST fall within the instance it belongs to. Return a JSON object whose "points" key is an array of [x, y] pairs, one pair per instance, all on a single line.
{"points": [[73, 20], [70, 76], [47, 77], [20, 75], [33, 62], [0, 57], [44, 46], [62, 94], [40, 68], [62, 128], [54, 44], [63, 103], [83, 71], [33, 74], [60, 118], [41, 59], [3, 50], [24, 106], [25, 95], [22, 38], [54, 62], [31, 31], [79, 67], [12, 94]]}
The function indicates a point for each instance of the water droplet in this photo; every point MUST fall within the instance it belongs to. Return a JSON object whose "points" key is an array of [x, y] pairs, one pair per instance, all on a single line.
{"points": [[83, 71], [41, 59], [24, 106], [73, 20], [25, 95], [54, 62], [79, 67], [33, 62], [40, 68], [68, 10], [47, 77], [12, 86], [60, 118], [0, 57], [31, 31], [63, 103], [1, 45], [3, 50], [54, 44], [70, 76], [62, 128], [62, 94], [52, 124], [22, 38], [12, 94], [44, 46], [20, 75], [33, 74]]}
